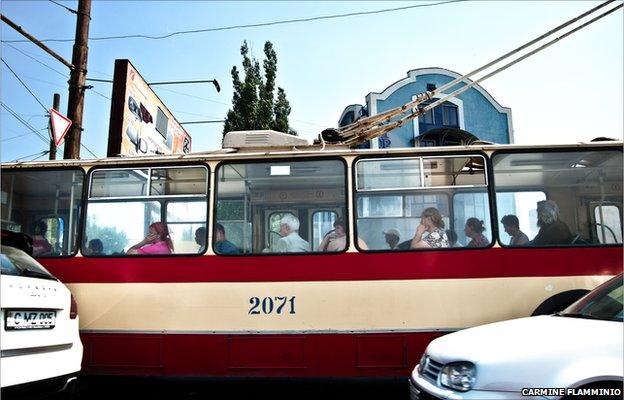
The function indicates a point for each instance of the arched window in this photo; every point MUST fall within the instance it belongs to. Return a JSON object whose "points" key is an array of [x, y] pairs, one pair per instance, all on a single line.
{"points": [[443, 116]]}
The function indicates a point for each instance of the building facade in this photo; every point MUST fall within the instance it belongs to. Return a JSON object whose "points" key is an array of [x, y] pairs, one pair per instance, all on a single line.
{"points": [[475, 111]]}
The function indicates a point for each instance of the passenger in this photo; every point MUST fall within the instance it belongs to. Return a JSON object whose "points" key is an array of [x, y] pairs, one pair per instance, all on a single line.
{"points": [[200, 238], [430, 233], [290, 242], [41, 246], [552, 230], [222, 245], [474, 230], [95, 248], [157, 241], [393, 237], [335, 240], [452, 237], [362, 244], [512, 228]]}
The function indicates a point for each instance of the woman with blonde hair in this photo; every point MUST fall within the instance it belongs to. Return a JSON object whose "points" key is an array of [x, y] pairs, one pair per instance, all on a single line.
{"points": [[430, 233]]}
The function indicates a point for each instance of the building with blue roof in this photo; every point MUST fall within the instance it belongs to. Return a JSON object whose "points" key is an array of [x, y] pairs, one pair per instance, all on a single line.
{"points": [[474, 111]]}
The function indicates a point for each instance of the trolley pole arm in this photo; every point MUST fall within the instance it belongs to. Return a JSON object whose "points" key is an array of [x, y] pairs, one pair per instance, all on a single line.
{"points": [[371, 127]]}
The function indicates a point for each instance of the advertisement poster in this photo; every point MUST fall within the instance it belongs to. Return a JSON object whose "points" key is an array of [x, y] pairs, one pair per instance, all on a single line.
{"points": [[140, 124]]}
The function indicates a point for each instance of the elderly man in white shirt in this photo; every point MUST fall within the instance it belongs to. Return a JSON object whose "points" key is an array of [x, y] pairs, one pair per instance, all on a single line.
{"points": [[291, 242]]}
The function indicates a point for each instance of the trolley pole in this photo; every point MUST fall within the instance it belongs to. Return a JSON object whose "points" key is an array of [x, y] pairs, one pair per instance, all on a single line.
{"points": [[55, 105], [77, 80]]}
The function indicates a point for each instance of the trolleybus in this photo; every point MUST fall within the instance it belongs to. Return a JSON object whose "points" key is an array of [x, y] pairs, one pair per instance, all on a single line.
{"points": [[227, 298]]}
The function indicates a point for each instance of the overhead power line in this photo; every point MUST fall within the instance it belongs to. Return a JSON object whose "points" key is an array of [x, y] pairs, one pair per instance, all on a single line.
{"points": [[37, 60], [22, 135], [87, 149], [27, 88], [39, 155], [374, 126], [35, 131], [260, 24], [25, 123], [67, 8]]}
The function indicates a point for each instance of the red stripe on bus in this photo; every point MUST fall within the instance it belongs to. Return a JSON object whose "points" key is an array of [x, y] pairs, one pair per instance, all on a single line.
{"points": [[244, 355], [452, 264]]}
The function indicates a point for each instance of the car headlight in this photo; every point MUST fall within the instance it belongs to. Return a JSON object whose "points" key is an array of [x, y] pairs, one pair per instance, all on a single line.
{"points": [[459, 376], [421, 363]]}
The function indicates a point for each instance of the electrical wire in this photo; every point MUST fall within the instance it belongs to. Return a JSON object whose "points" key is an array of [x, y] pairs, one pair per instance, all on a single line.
{"points": [[39, 135], [87, 149], [42, 154], [29, 115], [67, 8], [22, 135], [25, 123], [37, 60], [261, 24], [39, 155], [23, 84]]}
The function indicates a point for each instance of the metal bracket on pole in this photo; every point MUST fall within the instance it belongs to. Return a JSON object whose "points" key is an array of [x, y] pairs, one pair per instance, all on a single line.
{"points": [[213, 81]]}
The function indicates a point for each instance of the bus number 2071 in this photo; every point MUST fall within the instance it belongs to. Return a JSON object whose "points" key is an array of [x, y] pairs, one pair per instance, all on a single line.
{"points": [[272, 305]]}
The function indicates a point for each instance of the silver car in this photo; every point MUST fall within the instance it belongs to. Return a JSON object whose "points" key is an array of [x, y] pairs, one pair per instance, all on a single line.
{"points": [[576, 352]]}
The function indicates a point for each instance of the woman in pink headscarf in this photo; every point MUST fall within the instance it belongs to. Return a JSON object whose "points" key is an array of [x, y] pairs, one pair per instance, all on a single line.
{"points": [[157, 241]]}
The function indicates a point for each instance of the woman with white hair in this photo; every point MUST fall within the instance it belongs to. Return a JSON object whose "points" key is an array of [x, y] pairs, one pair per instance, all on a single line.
{"points": [[552, 230], [290, 242]]}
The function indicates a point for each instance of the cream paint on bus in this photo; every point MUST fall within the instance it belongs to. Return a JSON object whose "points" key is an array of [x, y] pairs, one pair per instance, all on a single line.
{"points": [[338, 306]]}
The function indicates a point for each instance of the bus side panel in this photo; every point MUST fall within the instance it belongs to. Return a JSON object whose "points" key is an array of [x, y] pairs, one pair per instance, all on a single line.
{"points": [[448, 264], [274, 355]]}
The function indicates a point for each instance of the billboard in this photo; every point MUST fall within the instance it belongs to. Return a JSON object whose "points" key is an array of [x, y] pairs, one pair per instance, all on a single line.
{"points": [[140, 123]]}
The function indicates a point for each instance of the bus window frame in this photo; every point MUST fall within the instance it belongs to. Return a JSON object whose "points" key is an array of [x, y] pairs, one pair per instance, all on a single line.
{"points": [[594, 207], [320, 210], [489, 187], [422, 158], [283, 160], [452, 210], [267, 222], [81, 208], [160, 198], [544, 150], [524, 190]]}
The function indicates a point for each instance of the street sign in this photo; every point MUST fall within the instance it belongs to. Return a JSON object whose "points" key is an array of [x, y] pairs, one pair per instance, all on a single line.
{"points": [[60, 125]]}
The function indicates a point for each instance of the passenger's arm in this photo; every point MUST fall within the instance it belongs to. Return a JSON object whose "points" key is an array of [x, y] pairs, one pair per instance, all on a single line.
{"points": [[417, 241], [147, 240]]}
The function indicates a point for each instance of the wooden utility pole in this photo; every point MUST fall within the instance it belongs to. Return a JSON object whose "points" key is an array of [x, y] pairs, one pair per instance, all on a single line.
{"points": [[77, 80], [55, 105]]}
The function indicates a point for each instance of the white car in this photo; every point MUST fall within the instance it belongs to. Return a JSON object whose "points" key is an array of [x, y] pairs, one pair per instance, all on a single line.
{"points": [[41, 348], [572, 353]]}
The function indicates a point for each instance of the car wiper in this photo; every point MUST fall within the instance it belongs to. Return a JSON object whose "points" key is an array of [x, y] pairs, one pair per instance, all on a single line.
{"points": [[37, 274], [579, 315]]}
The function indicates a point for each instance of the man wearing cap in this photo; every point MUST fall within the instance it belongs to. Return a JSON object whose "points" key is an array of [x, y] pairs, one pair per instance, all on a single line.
{"points": [[393, 236]]}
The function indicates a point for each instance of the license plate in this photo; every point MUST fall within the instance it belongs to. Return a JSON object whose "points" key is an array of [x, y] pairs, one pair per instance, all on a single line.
{"points": [[30, 319]]}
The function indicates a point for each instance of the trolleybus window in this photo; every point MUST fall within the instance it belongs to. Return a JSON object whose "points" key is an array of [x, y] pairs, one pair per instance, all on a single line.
{"points": [[567, 191], [276, 204], [392, 194], [45, 205], [608, 223], [146, 211]]}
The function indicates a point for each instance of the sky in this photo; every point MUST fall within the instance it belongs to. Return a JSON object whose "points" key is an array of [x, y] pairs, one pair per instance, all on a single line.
{"points": [[567, 93]]}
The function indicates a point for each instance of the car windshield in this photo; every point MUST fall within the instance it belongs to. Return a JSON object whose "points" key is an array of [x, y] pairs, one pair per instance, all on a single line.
{"points": [[16, 262], [605, 302]]}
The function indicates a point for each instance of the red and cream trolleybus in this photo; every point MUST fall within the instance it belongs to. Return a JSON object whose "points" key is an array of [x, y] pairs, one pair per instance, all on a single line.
{"points": [[310, 261]]}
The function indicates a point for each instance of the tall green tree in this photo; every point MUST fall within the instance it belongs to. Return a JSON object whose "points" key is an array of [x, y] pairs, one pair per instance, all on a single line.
{"points": [[253, 104]]}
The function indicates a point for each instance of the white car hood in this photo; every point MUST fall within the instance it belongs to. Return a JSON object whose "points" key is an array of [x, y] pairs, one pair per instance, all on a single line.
{"points": [[527, 352]]}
